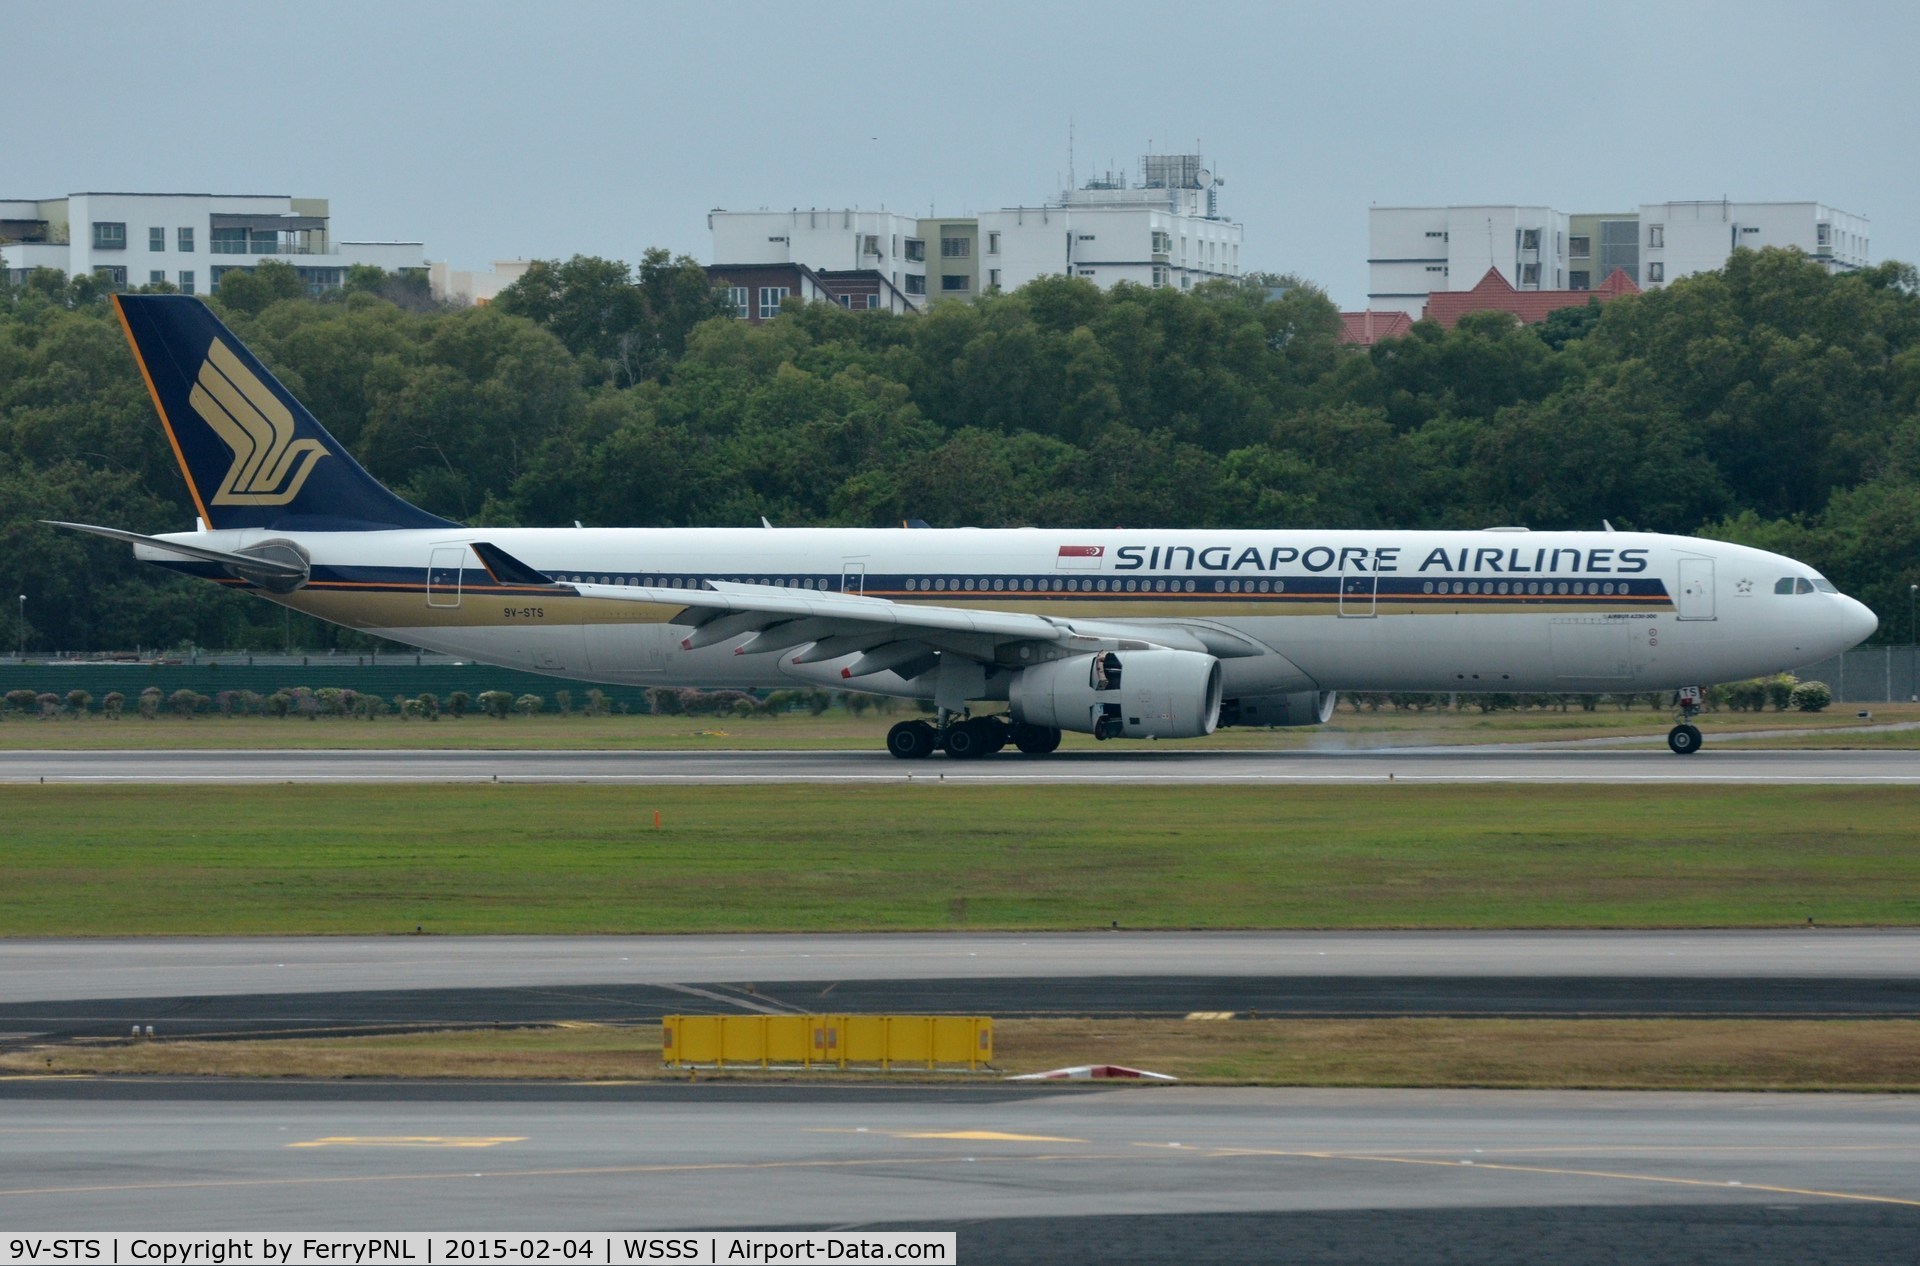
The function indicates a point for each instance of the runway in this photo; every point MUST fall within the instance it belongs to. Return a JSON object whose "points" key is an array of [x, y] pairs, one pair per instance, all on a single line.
{"points": [[1162, 1175], [248, 986], [1135, 766]]}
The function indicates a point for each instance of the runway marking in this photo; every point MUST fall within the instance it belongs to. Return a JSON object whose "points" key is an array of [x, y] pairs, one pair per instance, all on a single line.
{"points": [[1718, 1184], [1210, 1015], [596, 1171], [409, 1140], [986, 1136]]}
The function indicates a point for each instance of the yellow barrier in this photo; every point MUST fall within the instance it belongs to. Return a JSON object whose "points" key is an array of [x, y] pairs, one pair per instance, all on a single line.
{"points": [[834, 1041]]}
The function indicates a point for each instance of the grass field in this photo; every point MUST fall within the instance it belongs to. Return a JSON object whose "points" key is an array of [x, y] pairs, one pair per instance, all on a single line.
{"points": [[838, 730], [290, 859], [1863, 1055]]}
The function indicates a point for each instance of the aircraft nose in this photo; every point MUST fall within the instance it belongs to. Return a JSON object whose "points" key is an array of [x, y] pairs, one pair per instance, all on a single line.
{"points": [[1859, 621]]}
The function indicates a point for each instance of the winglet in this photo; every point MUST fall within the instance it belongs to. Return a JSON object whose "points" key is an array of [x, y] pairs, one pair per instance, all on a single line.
{"points": [[506, 569]]}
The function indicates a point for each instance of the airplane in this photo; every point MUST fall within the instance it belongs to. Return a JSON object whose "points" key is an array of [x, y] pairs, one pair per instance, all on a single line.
{"points": [[1122, 634]]}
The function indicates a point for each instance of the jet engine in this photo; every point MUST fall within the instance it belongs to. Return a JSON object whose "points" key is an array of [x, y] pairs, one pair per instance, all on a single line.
{"points": [[1152, 693], [1300, 707]]}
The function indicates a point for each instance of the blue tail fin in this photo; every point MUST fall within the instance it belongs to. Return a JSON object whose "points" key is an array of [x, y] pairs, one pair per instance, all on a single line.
{"points": [[252, 454]]}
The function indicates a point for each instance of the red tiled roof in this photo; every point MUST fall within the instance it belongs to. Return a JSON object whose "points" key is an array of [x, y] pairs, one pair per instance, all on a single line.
{"points": [[1368, 328], [1493, 293]]}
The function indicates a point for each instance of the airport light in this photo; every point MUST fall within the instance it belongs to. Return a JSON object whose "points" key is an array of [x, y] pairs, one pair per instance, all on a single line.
{"points": [[23, 626], [1913, 686]]}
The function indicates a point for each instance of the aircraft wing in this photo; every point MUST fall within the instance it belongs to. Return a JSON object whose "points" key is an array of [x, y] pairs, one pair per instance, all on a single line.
{"points": [[886, 635]]}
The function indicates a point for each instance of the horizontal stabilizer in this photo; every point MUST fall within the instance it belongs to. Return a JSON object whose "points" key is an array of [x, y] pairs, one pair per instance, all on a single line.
{"points": [[506, 569], [251, 563]]}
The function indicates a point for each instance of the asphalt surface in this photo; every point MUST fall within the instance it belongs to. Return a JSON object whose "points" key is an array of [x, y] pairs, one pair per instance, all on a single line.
{"points": [[312, 985], [1132, 766], [1160, 1175]]}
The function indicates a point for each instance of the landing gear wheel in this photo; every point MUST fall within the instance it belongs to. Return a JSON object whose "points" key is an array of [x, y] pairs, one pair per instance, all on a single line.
{"points": [[912, 740], [1035, 740], [970, 740], [1684, 739]]}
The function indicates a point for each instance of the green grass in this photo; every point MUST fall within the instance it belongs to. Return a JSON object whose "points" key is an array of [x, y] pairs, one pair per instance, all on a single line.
{"points": [[223, 860], [837, 730]]}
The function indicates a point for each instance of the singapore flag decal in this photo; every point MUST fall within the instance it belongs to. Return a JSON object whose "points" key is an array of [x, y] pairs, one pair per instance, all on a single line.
{"points": [[1086, 557]]}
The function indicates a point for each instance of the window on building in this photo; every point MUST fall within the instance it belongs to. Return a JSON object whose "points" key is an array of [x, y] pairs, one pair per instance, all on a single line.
{"points": [[771, 297], [1656, 271], [1580, 246], [956, 281], [183, 238], [114, 275], [737, 298], [157, 277], [228, 242], [916, 283], [845, 301], [109, 236], [1529, 274], [1656, 235], [1580, 279], [955, 248], [1086, 272], [1529, 239], [993, 243], [186, 281], [993, 278], [1823, 234], [873, 301], [156, 239], [1162, 242], [1087, 237], [1159, 275], [916, 249], [870, 245]]}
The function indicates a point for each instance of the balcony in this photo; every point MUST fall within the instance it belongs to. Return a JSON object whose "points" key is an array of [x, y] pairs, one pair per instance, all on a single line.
{"points": [[265, 246]]}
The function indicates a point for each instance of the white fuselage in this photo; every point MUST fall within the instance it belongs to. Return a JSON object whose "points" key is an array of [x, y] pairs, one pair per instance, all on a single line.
{"points": [[1499, 610]]}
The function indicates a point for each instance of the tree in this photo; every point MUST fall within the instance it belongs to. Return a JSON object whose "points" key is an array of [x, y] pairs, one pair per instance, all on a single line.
{"points": [[253, 290]]}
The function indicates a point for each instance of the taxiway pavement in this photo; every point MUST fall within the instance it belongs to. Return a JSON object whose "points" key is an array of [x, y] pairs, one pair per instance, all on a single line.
{"points": [[1140, 1175], [1162, 766]]}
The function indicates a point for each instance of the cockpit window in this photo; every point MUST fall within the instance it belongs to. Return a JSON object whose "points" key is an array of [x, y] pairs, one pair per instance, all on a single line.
{"points": [[1800, 584], [1783, 585], [1824, 585]]}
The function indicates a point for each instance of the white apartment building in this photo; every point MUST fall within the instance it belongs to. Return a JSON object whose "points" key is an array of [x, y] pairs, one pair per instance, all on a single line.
{"points": [[188, 240], [826, 241], [1414, 251], [1680, 238], [1165, 230]]}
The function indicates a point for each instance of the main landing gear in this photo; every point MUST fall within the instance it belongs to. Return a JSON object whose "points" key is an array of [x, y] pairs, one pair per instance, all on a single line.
{"points": [[969, 739], [1684, 738]]}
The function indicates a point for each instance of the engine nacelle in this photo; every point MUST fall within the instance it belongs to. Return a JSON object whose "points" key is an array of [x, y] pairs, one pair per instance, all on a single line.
{"points": [[1301, 707], [1154, 693]]}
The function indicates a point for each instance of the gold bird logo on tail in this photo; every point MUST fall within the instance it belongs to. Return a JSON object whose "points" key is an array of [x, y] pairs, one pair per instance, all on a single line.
{"points": [[269, 465]]}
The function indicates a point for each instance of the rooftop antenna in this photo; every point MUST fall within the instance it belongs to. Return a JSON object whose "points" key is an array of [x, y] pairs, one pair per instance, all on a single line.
{"points": [[1073, 181]]}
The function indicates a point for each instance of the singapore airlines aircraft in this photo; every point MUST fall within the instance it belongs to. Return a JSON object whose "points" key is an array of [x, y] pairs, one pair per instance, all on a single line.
{"points": [[1119, 634]]}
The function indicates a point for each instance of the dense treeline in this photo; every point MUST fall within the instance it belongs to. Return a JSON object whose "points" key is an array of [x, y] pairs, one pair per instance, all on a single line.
{"points": [[1768, 402]]}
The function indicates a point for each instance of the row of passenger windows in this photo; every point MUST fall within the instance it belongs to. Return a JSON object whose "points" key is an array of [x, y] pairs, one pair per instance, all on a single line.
{"points": [[1076, 585], [1529, 587]]}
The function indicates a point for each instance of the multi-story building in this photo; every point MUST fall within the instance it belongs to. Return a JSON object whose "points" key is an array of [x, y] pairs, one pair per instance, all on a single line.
{"points": [[453, 285], [1164, 230], [1600, 244], [188, 240], [834, 240], [1417, 251], [1680, 238], [757, 292], [1414, 251]]}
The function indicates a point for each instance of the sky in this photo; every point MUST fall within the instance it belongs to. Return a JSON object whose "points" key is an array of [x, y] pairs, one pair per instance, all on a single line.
{"points": [[491, 130]]}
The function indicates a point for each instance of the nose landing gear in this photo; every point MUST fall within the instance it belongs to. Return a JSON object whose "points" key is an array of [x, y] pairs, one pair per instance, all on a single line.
{"points": [[1684, 738]]}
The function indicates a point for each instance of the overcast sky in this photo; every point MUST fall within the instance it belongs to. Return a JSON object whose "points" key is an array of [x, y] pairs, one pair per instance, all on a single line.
{"points": [[494, 131]]}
